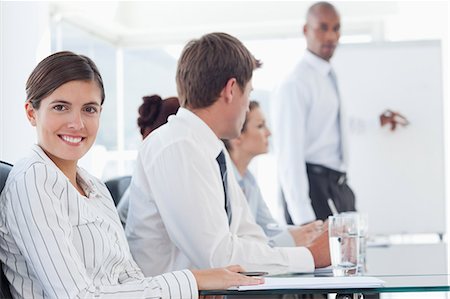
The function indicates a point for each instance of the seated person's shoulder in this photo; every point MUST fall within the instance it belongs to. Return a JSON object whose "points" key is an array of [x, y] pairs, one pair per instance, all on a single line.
{"points": [[25, 167], [35, 169], [164, 140]]}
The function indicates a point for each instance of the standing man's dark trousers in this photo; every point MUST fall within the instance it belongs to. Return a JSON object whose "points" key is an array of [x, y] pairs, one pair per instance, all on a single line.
{"points": [[325, 183]]}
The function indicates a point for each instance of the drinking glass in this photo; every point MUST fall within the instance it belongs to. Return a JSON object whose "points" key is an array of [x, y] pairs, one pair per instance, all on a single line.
{"points": [[363, 226], [344, 243]]}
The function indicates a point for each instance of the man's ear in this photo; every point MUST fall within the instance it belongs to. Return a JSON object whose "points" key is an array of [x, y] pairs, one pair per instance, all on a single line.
{"points": [[31, 113], [227, 91], [235, 143], [305, 29]]}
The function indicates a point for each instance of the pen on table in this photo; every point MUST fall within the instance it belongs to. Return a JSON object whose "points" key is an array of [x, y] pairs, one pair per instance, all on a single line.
{"points": [[254, 273], [333, 209]]}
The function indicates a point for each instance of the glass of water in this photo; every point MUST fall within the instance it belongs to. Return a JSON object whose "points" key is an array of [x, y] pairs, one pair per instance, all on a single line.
{"points": [[363, 236], [344, 243], [363, 225]]}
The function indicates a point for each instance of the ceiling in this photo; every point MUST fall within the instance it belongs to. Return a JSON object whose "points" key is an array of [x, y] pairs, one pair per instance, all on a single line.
{"points": [[144, 23]]}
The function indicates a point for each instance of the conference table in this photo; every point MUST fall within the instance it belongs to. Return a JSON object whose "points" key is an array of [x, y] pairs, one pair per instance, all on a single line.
{"points": [[406, 268]]}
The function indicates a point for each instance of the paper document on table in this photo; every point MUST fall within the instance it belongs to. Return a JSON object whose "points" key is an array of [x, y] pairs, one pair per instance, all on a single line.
{"points": [[316, 283]]}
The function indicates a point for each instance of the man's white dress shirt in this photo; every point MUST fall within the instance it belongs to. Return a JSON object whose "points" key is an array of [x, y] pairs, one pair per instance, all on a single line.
{"points": [[177, 217], [307, 126], [56, 243]]}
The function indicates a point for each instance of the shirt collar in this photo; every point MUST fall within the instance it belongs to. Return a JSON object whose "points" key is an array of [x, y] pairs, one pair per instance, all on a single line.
{"points": [[236, 172], [87, 183], [321, 65], [204, 135], [84, 179]]}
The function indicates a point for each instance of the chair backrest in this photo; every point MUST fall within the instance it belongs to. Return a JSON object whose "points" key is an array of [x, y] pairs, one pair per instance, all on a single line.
{"points": [[118, 186], [5, 168]]}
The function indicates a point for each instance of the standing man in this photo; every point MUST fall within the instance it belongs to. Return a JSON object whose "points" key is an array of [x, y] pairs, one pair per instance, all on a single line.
{"points": [[309, 137], [186, 207]]}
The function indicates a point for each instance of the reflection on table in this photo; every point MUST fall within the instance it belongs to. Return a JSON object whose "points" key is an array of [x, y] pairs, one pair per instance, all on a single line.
{"points": [[404, 268]]}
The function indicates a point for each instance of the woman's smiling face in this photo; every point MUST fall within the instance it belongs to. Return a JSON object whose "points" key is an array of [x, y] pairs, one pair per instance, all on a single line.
{"points": [[67, 120]]}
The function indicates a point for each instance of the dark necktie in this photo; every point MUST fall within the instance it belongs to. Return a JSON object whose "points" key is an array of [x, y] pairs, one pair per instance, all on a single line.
{"points": [[223, 173]]}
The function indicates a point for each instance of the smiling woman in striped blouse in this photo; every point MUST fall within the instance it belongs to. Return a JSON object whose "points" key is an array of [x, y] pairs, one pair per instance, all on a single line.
{"points": [[60, 235]]}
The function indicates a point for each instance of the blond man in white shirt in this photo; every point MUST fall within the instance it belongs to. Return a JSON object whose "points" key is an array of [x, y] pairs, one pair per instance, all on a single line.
{"points": [[184, 204]]}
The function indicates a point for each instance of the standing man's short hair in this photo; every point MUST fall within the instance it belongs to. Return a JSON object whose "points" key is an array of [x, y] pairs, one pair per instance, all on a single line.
{"points": [[322, 4], [205, 66]]}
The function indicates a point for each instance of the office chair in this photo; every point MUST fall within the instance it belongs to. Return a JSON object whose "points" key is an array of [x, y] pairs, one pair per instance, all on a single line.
{"points": [[5, 168], [117, 187]]}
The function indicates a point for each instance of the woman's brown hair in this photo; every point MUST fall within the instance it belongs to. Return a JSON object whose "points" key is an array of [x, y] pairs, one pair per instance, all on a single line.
{"points": [[58, 69]]}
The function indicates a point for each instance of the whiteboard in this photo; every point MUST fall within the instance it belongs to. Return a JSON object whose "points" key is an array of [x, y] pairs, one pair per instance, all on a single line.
{"points": [[398, 178]]}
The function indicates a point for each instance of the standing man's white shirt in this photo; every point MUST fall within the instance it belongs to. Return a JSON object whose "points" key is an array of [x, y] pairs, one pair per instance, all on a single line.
{"points": [[177, 215], [305, 119]]}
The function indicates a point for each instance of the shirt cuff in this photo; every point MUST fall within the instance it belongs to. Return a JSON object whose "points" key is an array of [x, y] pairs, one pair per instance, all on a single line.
{"points": [[300, 259], [178, 285]]}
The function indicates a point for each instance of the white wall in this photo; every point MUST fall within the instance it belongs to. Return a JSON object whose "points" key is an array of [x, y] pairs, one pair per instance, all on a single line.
{"points": [[25, 40], [389, 169]]}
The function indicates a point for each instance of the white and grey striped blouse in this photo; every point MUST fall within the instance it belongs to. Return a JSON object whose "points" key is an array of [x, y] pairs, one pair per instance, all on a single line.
{"points": [[56, 243]]}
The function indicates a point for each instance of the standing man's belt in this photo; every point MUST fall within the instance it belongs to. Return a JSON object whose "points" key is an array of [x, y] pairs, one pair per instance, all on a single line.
{"points": [[337, 176]]}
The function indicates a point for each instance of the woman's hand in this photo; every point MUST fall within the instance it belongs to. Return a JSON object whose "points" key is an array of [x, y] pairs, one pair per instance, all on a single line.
{"points": [[223, 278], [306, 234]]}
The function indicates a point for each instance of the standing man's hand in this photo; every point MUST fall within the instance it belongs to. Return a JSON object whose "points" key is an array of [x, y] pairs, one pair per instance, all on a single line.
{"points": [[392, 118], [320, 250]]}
